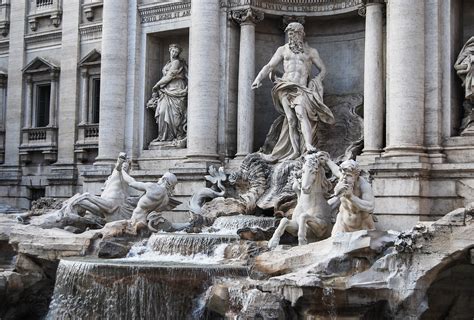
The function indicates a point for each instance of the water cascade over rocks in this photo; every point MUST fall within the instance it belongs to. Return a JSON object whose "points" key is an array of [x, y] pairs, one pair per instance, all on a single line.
{"points": [[164, 277], [101, 289], [230, 225]]}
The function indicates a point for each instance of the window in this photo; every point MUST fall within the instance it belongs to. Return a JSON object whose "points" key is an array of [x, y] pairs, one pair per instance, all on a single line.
{"points": [[90, 88], [43, 98], [95, 100]]}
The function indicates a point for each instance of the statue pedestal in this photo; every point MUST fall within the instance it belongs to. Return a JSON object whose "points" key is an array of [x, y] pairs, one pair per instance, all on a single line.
{"points": [[469, 131], [167, 145]]}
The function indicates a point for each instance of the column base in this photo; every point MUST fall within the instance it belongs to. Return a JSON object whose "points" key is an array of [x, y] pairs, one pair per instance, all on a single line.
{"points": [[436, 155], [212, 158], [406, 154], [105, 161], [368, 156], [241, 155]]}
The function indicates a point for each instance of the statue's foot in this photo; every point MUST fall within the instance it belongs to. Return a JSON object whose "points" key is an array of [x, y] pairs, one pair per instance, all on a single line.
{"points": [[268, 157], [311, 149], [293, 156]]}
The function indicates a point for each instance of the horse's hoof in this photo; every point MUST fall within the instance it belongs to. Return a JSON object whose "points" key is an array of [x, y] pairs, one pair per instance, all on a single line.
{"points": [[272, 244]]}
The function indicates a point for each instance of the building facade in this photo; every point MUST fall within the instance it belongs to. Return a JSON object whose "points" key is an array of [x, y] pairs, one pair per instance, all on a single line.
{"points": [[75, 77]]}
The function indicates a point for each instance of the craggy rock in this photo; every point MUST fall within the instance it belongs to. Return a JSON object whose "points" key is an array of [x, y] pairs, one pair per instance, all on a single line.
{"points": [[43, 205], [280, 262], [111, 250], [379, 274], [223, 207], [49, 244], [255, 234]]}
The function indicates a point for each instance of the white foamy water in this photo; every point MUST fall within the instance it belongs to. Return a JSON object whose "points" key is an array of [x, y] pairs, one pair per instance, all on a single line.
{"points": [[140, 252], [230, 225]]}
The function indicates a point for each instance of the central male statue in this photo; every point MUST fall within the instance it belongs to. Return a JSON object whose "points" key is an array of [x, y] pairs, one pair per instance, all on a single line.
{"points": [[296, 96]]}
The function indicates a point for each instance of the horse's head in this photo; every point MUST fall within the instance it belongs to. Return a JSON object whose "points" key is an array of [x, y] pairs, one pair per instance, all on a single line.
{"points": [[311, 168]]}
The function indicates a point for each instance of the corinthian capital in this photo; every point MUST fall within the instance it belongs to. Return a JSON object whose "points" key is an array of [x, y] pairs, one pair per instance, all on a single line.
{"points": [[248, 15]]}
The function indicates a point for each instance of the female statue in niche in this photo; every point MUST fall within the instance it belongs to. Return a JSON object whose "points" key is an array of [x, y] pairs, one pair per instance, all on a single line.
{"points": [[465, 69], [169, 100]]}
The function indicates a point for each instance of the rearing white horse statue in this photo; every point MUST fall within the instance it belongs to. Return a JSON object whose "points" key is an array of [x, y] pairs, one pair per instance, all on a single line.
{"points": [[312, 214]]}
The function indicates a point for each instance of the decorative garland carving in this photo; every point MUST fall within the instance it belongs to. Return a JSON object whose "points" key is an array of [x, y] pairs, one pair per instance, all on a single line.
{"points": [[247, 15]]}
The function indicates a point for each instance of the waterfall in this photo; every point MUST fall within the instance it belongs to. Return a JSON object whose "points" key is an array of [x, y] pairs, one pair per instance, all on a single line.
{"points": [[230, 225], [135, 290], [188, 244]]}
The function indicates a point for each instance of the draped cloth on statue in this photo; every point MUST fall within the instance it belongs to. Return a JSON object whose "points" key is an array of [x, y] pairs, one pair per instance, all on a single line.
{"points": [[171, 106], [465, 68], [311, 99]]}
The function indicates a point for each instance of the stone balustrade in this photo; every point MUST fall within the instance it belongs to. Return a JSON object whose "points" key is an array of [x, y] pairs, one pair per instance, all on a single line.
{"points": [[44, 9], [43, 139]]}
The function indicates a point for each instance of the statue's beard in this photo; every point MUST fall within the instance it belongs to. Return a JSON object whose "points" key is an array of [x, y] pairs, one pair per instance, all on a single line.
{"points": [[296, 44]]}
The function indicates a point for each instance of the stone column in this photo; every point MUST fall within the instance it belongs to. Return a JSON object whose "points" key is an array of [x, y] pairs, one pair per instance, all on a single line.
{"points": [[2, 107], [374, 112], [84, 95], [113, 84], [247, 18], [405, 77], [3, 89], [53, 99], [28, 102], [68, 80], [16, 60], [203, 96]]}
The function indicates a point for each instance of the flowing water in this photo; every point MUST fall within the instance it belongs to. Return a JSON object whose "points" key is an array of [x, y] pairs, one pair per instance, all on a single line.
{"points": [[165, 277], [109, 289], [188, 244], [230, 225]]}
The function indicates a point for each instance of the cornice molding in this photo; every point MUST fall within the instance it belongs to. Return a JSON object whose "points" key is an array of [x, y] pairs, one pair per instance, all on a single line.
{"points": [[160, 12], [305, 8]]}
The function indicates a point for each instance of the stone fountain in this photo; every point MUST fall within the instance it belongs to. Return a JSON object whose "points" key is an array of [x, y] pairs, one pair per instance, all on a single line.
{"points": [[290, 234]]}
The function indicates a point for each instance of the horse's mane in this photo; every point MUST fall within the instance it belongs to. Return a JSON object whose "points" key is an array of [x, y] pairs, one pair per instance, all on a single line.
{"points": [[312, 161], [325, 183]]}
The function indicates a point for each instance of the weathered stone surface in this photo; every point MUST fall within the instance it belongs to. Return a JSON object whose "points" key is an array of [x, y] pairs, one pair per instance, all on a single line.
{"points": [[255, 234], [111, 250], [7, 221], [352, 273], [223, 207], [218, 300], [340, 139], [49, 244], [284, 261]]}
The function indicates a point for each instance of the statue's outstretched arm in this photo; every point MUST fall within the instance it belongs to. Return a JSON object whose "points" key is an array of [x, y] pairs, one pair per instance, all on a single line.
{"points": [[272, 64], [133, 183]]}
